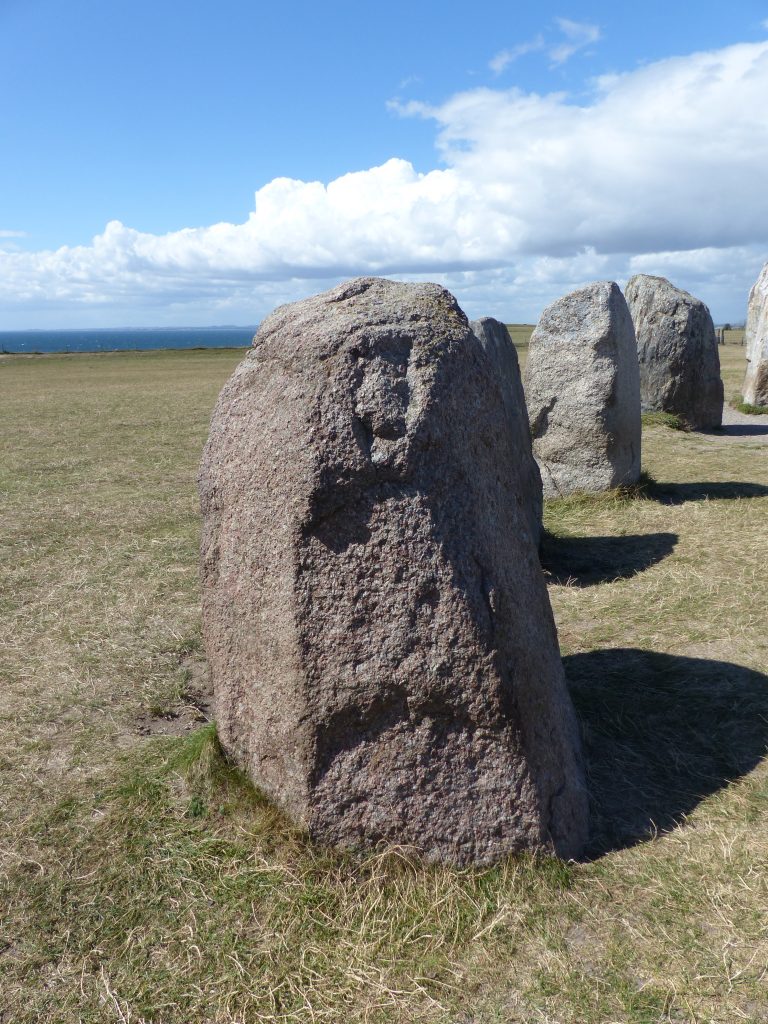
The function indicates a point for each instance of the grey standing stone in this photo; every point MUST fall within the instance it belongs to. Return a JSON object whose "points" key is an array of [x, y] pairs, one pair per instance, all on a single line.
{"points": [[756, 341], [677, 351], [583, 392], [383, 651], [498, 346]]}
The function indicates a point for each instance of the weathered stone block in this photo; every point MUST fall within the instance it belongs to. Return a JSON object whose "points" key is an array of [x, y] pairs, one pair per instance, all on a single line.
{"points": [[383, 651], [677, 351], [498, 346], [756, 341], [583, 392]]}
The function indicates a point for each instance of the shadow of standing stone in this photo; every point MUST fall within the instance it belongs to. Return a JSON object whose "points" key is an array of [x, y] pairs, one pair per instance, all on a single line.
{"points": [[585, 561], [661, 732], [703, 490]]}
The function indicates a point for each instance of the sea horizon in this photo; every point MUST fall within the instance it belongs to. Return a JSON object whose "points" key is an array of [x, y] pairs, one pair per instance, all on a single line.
{"points": [[119, 339]]}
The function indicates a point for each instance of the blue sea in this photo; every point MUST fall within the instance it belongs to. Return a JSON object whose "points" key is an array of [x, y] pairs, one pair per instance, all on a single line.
{"points": [[114, 339]]}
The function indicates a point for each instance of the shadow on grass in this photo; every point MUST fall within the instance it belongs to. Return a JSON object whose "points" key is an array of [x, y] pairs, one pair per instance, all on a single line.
{"points": [[661, 733], [677, 494], [739, 430], [584, 561]]}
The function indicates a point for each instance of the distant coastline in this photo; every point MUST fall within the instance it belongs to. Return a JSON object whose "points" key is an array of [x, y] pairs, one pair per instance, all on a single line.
{"points": [[120, 339]]}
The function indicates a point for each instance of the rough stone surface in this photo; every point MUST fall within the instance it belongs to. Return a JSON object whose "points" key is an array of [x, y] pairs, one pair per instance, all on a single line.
{"points": [[677, 351], [756, 341], [383, 651], [498, 346], [583, 392]]}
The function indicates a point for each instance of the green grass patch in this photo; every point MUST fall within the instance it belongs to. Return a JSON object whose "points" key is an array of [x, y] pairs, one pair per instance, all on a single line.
{"points": [[751, 410], [663, 419], [564, 516], [186, 876]]}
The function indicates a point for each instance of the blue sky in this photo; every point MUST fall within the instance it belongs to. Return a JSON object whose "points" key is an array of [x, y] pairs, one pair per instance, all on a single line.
{"points": [[197, 163]]}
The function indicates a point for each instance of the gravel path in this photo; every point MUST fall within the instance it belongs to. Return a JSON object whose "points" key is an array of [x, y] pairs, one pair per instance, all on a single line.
{"points": [[739, 426]]}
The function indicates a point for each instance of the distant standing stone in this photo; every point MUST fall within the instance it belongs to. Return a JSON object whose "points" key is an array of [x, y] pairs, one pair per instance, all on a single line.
{"points": [[756, 341], [677, 351], [498, 346], [583, 392], [383, 651]]}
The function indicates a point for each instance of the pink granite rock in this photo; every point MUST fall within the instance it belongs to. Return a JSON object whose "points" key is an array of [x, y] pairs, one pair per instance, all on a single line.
{"points": [[384, 656]]}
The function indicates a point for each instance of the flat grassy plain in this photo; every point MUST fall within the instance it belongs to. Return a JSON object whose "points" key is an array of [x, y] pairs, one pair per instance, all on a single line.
{"points": [[142, 881]]}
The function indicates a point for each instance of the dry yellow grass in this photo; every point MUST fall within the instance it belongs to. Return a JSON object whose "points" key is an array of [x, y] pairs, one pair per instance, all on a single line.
{"points": [[141, 880]]}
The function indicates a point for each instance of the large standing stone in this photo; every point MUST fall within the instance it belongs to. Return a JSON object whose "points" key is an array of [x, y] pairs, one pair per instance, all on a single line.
{"points": [[383, 651], [756, 341], [498, 346], [677, 351], [583, 392]]}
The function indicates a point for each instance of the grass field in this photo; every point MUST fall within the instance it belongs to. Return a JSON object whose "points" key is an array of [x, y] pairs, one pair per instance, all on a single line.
{"points": [[142, 881]]}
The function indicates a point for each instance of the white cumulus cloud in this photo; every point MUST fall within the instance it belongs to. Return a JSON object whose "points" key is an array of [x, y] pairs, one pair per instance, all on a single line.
{"points": [[662, 169]]}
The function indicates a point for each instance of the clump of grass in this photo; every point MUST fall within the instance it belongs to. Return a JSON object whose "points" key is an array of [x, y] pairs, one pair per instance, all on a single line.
{"points": [[214, 786], [751, 410], [664, 419], [167, 692], [641, 489], [190, 892], [564, 515]]}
